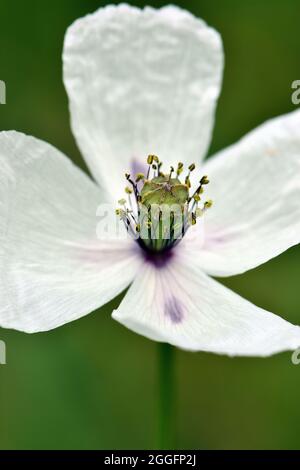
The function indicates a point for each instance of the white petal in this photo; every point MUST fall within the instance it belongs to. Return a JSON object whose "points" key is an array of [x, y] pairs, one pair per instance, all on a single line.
{"points": [[141, 82], [53, 269], [184, 307], [255, 185]]}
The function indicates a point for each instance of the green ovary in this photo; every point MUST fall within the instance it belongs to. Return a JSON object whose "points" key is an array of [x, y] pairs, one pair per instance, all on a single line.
{"points": [[162, 210]]}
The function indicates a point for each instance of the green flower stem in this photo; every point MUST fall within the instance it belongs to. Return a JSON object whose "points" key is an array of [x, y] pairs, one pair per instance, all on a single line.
{"points": [[166, 400]]}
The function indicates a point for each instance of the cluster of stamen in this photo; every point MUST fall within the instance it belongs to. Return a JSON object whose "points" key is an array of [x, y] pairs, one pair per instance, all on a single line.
{"points": [[158, 208]]}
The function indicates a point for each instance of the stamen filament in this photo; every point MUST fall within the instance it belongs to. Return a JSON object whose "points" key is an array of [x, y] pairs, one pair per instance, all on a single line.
{"points": [[154, 229]]}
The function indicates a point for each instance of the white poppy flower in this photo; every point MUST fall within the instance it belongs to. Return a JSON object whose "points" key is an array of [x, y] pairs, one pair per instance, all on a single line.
{"points": [[146, 82]]}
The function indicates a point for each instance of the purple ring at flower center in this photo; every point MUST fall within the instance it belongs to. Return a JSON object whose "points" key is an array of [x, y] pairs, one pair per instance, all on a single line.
{"points": [[160, 259]]}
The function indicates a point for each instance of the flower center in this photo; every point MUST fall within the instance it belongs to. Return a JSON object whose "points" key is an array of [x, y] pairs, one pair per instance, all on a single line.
{"points": [[159, 209]]}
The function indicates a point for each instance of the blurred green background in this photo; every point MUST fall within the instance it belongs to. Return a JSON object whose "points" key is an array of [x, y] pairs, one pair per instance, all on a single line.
{"points": [[92, 384]]}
